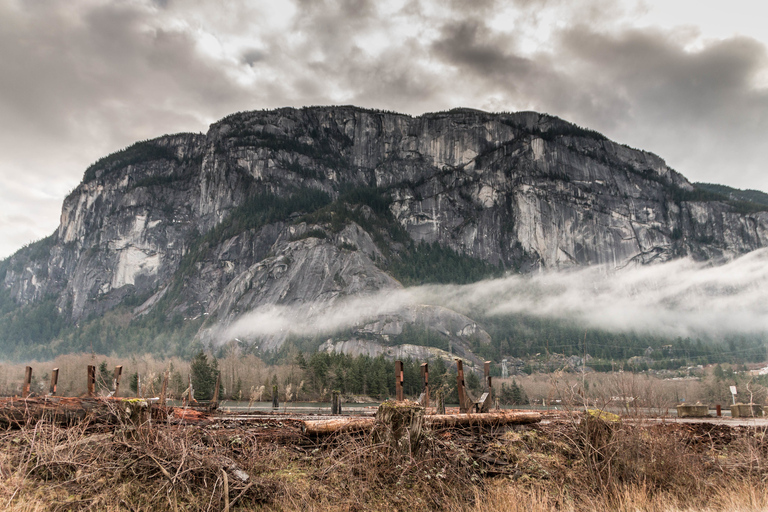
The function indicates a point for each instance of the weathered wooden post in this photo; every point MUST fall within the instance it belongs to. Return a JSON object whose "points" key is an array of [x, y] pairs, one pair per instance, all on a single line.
{"points": [[188, 396], [425, 378], [484, 404], [215, 401], [460, 387], [91, 380], [336, 403], [440, 402], [138, 385], [116, 379], [27, 382], [275, 399], [54, 382], [398, 380], [164, 389]]}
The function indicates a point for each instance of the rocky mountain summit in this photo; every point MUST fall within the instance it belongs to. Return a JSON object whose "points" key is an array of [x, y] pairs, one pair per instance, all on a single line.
{"points": [[308, 207]]}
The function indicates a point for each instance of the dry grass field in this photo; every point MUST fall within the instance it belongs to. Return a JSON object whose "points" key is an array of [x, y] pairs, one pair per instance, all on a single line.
{"points": [[573, 463]]}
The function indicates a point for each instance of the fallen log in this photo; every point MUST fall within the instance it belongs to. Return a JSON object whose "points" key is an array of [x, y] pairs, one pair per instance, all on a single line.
{"points": [[484, 419], [68, 411], [336, 425]]}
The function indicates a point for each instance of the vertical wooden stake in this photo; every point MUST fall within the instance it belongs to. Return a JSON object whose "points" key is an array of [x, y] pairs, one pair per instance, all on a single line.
{"points": [[54, 382], [164, 389], [138, 385], [215, 401], [487, 374], [116, 380], [425, 379], [27, 382], [336, 403], [91, 380], [398, 380], [275, 399], [189, 395], [463, 405], [440, 402]]}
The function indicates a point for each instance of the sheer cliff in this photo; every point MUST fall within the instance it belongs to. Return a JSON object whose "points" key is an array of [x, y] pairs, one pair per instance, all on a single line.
{"points": [[305, 207]]}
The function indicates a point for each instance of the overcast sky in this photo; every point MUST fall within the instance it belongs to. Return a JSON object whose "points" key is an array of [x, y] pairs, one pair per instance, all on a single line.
{"points": [[686, 79]]}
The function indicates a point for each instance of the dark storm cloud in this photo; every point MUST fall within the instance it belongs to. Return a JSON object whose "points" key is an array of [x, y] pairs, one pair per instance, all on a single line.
{"points": [[78, 81], [466, 44], [696, 105], [252, 56], [644, 87]]}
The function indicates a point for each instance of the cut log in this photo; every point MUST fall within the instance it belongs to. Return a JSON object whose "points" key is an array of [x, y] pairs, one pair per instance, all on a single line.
{"points": [[485, 419], [324, 427]]}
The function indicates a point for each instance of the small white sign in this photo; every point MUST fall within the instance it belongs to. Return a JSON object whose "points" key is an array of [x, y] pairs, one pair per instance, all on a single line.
{"points": [[733, 390]]}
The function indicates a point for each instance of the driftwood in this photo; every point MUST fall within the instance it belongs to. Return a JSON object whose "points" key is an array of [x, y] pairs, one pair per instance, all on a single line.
{"points": [[324, 427]]}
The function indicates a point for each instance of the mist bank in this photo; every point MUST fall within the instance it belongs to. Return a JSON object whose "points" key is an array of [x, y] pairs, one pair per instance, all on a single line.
{"points": [[678, 298]]}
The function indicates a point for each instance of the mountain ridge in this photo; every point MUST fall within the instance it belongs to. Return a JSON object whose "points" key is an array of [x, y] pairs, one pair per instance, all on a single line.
{"points": [[304, 206]]}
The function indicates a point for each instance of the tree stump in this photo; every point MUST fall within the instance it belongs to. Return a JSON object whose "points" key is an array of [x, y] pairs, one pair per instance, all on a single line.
{"points": [[400, 426]]}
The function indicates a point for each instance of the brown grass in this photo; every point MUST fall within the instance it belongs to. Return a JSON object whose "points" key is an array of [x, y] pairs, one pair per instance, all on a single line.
{"points": [[564, 465]]}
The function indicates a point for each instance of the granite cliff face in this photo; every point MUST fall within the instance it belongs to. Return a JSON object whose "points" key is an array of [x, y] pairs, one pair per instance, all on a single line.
{"points": [[205, 225]]}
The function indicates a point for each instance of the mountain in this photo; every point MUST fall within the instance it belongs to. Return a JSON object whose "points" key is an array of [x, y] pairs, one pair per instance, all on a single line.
{"points": [[173, 238]]}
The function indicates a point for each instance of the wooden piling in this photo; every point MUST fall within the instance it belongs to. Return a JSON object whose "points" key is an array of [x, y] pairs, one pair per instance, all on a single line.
{"points": [[425, 379], [54, 382], [440, 402], [215, 400], [25, 390], [189, 395], [399, 380], [275, 399], [164, 389], [484, 403], [116, 379], [336, 403], [91, 380], [461, 388]]}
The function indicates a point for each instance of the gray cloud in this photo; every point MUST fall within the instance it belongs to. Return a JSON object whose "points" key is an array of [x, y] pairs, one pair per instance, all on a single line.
{"points": [[466, 44]]}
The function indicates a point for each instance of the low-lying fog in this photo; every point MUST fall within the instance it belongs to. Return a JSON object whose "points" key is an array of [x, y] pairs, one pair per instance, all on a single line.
{"points": [[678, 298]]}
